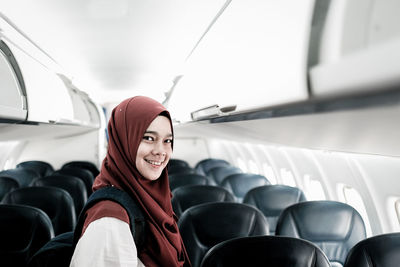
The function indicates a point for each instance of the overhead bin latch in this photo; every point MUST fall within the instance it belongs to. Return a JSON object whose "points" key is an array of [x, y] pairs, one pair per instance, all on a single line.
{"points": [[211, 112]]}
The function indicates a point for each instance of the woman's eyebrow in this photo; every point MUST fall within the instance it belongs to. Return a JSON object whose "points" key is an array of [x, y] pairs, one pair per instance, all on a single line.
{"points": [[156, 133]]}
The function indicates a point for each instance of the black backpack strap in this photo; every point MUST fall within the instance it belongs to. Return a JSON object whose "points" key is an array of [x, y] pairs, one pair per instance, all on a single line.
{"points": [[135, 214]]}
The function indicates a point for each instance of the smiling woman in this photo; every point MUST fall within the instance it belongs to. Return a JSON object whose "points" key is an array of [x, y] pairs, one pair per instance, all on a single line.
{"points": [[139, 150]]}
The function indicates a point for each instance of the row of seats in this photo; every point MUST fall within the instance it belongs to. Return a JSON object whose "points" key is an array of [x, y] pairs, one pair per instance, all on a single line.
{"points": [[332, 226], [377, 251], [39, 203], [219, 232]]}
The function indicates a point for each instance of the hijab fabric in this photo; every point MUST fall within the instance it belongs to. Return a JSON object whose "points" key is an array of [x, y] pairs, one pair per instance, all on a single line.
{"points": [[127, 125]]}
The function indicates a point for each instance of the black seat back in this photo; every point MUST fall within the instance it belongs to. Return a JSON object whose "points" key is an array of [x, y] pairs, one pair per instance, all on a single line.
{"points": [[221, 172], [205, 165], [185, 197], [272, 200], [333, 226], [43, 168], [55, 202], [183, 179], [377, 251], [260, 251], [203, 226], [178, 169], [241, 183], [85, 175], [73, 185], [24, 176], [7, 185], [178, 162], [23, 230], [85, 165]]}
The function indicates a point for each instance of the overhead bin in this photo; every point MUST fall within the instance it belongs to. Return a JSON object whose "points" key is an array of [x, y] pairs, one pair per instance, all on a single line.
{"points": [[358, 52], [12, 93]]}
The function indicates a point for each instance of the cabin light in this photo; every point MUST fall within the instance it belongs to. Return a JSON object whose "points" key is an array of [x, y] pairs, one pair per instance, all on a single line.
{"points": [[211, 112]]}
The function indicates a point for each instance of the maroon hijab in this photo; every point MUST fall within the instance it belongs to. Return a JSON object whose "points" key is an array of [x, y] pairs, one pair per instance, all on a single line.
{"points": [[127, 125]]}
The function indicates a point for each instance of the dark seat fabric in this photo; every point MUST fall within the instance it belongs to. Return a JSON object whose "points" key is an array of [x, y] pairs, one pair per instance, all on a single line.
{"points": [[43, 168], [377, 251], [241, 183], [73, 185], [272, 200], [85, 165], [261, 251], [24, 176], [203, 226], [23, 230], [178, 162], [183, 179], [218, 174], [333, 226], [177, 169], [188, 196], [7, 185], [85, 175], [205, 165], [55, 202]]}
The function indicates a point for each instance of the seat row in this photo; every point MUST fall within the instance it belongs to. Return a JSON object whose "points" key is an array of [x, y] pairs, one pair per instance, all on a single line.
{"points": [[333, 227]]}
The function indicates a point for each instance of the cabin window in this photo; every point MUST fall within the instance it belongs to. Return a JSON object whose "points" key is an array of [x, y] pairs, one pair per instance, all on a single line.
{"points": [[313, 188], [241, 165], [269, 173], [397, 208], [351, 196], [287, 177], [253, 168]]}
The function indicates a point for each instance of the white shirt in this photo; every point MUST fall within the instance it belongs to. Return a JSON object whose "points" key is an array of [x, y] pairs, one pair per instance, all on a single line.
{"points": [[107, 242]]}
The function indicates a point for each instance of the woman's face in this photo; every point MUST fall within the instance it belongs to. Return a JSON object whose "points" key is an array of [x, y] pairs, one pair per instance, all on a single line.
{"points": [[155, 148]]}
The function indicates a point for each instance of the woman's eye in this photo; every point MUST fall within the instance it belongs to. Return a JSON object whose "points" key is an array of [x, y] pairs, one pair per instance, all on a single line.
{"points": [[148, 138], [169, 141]]}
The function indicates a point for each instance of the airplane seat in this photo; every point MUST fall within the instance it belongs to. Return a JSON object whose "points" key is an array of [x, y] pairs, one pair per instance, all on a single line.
{"points": [[188, 196], [218, 174], [203, 166], [7, 184], [73, 185], [265, 251], [241, 183], [272, 200], [377, 251], [43, 168], [23, 230], [205, 225], [183, 179], [178, 162], [85, 165], [55, 202], [333, 226], [23, 176], [85, 175], [175, 169]]}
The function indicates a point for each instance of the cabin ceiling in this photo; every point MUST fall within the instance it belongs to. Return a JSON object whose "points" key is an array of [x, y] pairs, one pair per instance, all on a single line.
{"points": [[119, 48]]}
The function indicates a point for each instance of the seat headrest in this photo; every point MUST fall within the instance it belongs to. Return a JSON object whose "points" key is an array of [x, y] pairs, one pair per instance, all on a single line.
{"points": [[83, 164], [205, 165], [43, 168], [188, 196], [55, 202], [273, 199], [24, 176], [206, 225], [241, 183], [377, 251], [221, 172], [333, 226], [183, 179], [23, 230], [265, 251]]}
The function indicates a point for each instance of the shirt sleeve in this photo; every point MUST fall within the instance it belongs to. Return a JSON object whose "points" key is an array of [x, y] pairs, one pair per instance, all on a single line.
{"points": [[106, 242]]}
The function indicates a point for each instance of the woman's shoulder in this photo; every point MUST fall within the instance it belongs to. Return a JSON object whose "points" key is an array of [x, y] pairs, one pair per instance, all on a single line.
{"points": [[105, 208]]}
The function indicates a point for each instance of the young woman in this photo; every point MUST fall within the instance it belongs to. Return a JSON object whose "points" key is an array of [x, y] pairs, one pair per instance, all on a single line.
{"points": [[140, 146]]}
